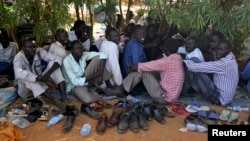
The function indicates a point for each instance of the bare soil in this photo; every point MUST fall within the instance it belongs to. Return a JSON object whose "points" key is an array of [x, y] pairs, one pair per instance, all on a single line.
{"points": [[37, 131]]}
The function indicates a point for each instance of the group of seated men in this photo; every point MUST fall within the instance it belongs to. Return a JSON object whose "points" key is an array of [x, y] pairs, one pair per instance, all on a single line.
{"points": [[167, 67]]}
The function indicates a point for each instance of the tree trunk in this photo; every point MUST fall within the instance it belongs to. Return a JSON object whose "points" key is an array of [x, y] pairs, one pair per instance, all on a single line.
{"points": [[77, 11], [82, 8], [128, 11], [122, 18], [91, 23]]}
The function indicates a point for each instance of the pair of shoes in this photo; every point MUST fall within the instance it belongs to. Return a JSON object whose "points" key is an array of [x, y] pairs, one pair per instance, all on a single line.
{"points": [[114, 119], [138, 118], [102, 123], [123, 124], [88, 111]]}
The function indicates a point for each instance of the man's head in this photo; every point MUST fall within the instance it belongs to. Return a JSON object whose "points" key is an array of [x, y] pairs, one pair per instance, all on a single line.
{"points": [[4, 39], [215, 38], [77, 49], [29, 47], [112, 35], [61, 36], [139, 34], [190, 44], [79, 27], [223, 49], [151, 31], [170, 46], [129, 29]]}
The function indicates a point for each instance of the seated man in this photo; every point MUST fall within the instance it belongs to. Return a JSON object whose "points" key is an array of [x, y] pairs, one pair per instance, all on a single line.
{"points": [[79, 75], [110, 48], [59, 46], [221, 89], [162, 78], [208, 51], [133, 52], [245, 75], [190, 52], [152, 42], [31, 77], [8, 50], [80, 33]]}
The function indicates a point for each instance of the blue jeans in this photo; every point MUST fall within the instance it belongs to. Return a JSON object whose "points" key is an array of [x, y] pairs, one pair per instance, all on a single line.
{"points": [[6, 68], [245, 75], [7, 97], [202, 83]]}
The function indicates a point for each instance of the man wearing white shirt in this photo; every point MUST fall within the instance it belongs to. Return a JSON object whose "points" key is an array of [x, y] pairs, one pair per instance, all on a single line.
{"points": [[110, 47], [59, 46], [7, 52], [79, 33], [190, 50]]}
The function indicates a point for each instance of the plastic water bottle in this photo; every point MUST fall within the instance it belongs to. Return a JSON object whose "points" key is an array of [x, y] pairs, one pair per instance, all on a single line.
{"points": [[18, 121], [86, 129], [54, 120], [196, 128], [238, 108], [133, 99]]}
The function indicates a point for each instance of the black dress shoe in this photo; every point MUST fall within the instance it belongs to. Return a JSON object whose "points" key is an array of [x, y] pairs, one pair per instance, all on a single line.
{"points": [[69, 122], [147, 111], [88, 111], [123, 124], [133, 122], [157, 115], [143, 123]]}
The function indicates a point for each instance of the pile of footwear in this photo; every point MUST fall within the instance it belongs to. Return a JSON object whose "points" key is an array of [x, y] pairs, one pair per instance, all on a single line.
{"points": [[127, 115]]}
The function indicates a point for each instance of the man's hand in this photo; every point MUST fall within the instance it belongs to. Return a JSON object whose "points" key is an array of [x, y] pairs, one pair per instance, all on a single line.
{"points": [[84, 37], [133, 68]]}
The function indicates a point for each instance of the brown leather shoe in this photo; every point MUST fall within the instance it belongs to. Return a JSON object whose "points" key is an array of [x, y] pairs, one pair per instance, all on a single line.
{"points": [[102, 124], [114, 119]]}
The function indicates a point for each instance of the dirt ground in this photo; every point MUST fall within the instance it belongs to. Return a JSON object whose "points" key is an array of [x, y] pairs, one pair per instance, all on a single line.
{"points": [[169, 131]]}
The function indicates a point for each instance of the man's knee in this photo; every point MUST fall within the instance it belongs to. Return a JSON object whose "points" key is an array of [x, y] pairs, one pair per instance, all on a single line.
{"points": [[195, 59]]}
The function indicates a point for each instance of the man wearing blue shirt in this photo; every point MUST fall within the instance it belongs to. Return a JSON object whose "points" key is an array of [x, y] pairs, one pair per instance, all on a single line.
{"points": [[133, 52]]}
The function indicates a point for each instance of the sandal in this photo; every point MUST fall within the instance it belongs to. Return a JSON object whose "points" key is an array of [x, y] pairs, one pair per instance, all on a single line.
{"points": [[104, 104], [96, 107], [45, 114]]}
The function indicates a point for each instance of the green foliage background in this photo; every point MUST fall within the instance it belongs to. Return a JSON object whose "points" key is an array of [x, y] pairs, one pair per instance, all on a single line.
{"points": [[192, 17]]}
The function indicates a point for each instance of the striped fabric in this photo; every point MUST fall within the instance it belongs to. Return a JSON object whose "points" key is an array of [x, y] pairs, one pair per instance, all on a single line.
{"points": [[225, 76], [171, 73]]}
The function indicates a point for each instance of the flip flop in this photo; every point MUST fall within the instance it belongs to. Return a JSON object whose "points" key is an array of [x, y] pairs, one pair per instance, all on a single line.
{"points": [[233, 117], [96, 107], [208, 117], [195, 107], [104, 104], [224, 116]]}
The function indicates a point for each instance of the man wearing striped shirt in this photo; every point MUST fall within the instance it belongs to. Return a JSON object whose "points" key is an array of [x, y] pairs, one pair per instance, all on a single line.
{"points": [[221, 89]]}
